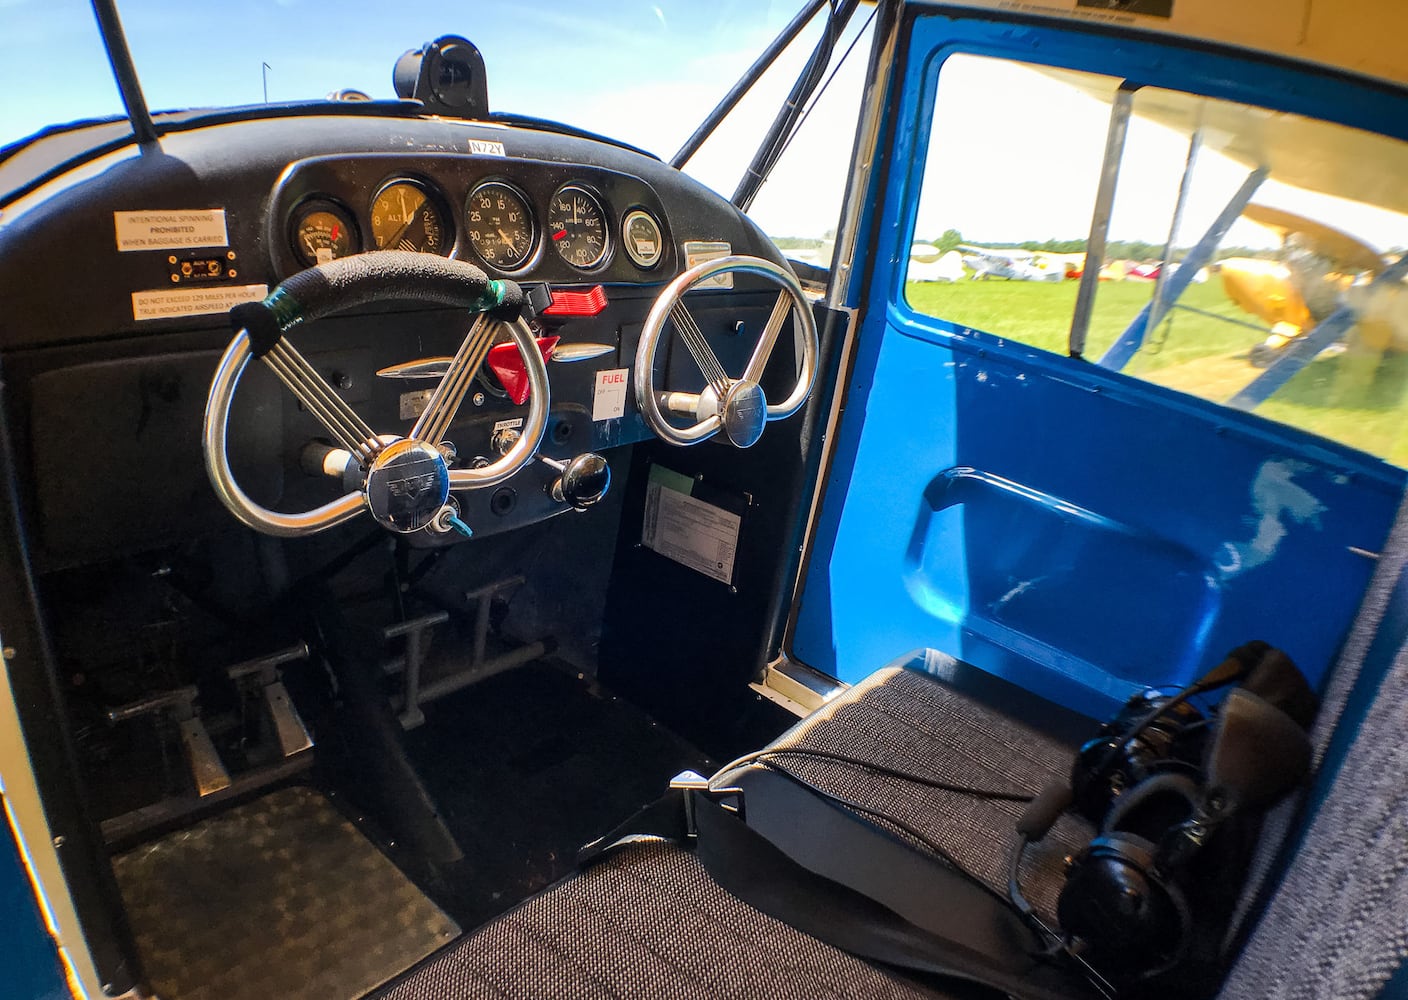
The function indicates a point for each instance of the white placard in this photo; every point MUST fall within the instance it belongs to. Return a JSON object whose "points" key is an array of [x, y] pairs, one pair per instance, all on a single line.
{"points": [[174, 230], [486, 147], [511, 424], [609, 393], [689, 531], [697, 253], [193, 300]]}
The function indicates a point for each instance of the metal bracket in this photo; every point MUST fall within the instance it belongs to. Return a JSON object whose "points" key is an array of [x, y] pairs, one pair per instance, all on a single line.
{"points": [[690, 782], [414, 632], [414, 693]]}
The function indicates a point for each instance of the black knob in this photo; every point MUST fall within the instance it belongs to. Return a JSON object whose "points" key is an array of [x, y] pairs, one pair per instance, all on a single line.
{"points": [[583, 482]]}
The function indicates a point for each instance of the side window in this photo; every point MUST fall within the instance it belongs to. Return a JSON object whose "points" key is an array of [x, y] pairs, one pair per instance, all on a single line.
{"points": [[1272, 281], [1253, 258], [1009, 185]]}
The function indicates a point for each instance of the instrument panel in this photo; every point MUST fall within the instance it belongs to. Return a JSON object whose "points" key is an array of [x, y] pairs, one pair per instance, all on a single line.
{"points": [[522, 219]]}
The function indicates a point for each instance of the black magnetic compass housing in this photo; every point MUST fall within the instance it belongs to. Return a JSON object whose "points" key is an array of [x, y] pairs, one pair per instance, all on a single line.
{"points": [[447, 76]]}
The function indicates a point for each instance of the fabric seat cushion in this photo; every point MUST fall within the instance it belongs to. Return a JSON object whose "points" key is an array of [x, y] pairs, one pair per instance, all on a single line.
{"points": [[647, 923]]}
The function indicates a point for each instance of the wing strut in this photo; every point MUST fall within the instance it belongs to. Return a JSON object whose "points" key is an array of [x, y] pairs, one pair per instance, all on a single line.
{"points": [[1304, 349], [1133, 337]]}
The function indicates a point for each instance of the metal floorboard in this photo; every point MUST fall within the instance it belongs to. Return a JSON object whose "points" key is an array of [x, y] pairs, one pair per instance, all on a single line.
{"points": [[280, 897]]}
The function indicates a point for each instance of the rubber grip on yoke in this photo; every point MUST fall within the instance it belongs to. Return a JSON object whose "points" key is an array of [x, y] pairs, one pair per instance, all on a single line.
{"points": [[364, 278], [258, 321]]}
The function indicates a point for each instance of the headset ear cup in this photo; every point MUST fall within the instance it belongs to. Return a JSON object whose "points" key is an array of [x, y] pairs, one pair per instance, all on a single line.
{"points": [[1154, 805], [1114, 901]]}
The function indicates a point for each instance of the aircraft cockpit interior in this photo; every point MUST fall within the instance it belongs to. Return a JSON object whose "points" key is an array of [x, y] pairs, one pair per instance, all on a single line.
{"points": [[454, 552]]}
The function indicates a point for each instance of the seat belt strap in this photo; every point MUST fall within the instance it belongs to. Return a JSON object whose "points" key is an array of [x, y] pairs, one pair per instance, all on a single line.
{"points": [[756, 871]]}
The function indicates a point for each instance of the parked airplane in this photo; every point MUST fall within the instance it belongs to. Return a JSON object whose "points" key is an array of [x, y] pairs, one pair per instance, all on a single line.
{"points": [[1012, 263], [945, 267], [1321, 268]]}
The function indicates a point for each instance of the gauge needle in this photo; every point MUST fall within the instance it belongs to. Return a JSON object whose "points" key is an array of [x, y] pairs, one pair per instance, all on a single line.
{"points": [[402, 231], [508, 240], [335, 230]]}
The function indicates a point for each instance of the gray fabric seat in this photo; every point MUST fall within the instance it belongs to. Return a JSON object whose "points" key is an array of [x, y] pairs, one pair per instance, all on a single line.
{"points": [[650, 922], [910, 721], [645, 924]]}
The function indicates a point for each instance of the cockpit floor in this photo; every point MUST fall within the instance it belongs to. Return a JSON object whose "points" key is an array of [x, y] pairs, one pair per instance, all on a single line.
{"points": [[279, 897], [525, 768]]}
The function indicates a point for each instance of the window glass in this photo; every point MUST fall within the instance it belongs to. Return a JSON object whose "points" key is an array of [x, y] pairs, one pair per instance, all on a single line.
{"points": [[1305, 267], [1009, 185], [53, 68], [1292, 307]]}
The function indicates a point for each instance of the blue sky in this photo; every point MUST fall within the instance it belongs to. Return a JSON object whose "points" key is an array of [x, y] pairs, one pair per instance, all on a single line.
{"points": [[645, 71], [551, 59]]}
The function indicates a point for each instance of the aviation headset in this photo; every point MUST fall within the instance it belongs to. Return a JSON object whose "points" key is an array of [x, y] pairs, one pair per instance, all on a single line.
{"points": [[1176, 797]]}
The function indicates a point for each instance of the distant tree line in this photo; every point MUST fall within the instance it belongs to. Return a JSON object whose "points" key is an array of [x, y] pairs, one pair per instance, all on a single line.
{"points": [[1114, 249]]}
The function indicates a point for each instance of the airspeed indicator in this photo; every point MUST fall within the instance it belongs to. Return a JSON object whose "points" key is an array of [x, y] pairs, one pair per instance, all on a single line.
{"points": [[577, 227]]}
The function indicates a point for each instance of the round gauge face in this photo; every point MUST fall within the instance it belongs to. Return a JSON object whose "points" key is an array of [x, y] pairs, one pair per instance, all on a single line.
{"points": [[500, 225], [577, 225], [322, 231], [640, 235], [405, 217]]}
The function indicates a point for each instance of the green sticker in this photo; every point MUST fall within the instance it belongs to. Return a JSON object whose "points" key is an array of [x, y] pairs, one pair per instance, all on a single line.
{"points": [[671, 479]]}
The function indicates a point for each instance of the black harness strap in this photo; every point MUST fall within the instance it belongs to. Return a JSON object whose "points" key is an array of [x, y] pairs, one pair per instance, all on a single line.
{"points": [[756, 871]]}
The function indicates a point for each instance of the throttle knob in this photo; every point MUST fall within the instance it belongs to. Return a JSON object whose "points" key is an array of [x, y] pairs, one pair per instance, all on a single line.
{"points": [[583, 482]]}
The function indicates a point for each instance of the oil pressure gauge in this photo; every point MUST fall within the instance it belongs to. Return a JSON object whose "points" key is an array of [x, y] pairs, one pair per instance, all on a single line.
{"points": [[640, 235], [321, 231]]}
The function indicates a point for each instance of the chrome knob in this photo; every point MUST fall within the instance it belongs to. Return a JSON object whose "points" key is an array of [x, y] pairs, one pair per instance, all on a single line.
{"points": [[584, 481]]}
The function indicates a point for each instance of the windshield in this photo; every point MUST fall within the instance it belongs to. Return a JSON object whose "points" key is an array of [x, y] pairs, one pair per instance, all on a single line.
{"points": [[646, 73]]}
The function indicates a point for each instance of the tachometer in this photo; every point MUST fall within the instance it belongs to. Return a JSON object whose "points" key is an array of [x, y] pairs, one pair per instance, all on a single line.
{"points": [[500, 225], [577, 225], [406, 217], [322, 231]]}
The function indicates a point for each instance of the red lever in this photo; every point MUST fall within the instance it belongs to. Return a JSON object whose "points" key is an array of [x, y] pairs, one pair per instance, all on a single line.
{"points": [[507, 364], [587, 303]]}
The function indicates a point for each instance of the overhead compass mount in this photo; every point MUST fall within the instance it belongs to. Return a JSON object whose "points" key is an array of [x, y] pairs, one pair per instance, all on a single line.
{"points": [[447, 76]]}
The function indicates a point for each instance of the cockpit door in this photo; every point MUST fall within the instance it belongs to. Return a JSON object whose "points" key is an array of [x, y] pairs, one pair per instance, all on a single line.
{"points": [[1075, 527]]}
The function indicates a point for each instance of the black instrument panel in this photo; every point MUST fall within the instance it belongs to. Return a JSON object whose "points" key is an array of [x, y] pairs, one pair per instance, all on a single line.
{"points": [[519, 218]]}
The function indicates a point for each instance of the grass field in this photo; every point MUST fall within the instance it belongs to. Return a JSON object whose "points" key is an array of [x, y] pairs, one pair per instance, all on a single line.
{"points": [[1357, 398]]}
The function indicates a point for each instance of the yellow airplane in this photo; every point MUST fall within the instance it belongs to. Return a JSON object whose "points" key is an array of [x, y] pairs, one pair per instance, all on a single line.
{"points": [[1320, 266]]}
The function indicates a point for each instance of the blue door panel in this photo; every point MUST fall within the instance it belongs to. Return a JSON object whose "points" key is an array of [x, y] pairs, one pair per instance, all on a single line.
{"points": [[1080, 535], [29, 962], [1072, 529]]}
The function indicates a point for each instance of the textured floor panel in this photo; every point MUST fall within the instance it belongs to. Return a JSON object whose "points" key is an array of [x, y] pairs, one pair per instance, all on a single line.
{"points": [[648, 924], [280, 897]]}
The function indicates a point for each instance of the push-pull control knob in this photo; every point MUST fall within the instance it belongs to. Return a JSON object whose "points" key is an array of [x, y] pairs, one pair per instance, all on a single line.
{"points": [[583, 481]]}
